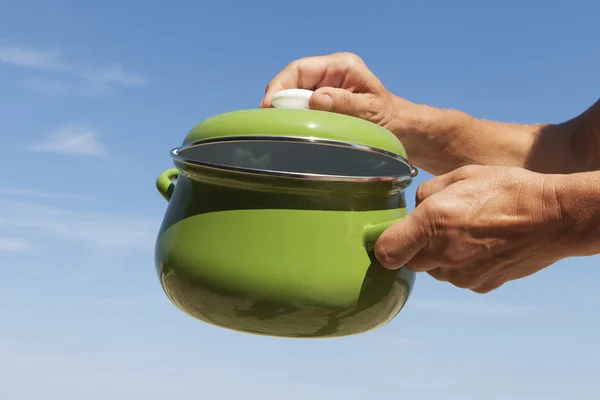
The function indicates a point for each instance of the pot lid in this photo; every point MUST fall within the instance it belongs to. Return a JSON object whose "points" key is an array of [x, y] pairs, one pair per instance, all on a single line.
{"points": [[292, 118]]}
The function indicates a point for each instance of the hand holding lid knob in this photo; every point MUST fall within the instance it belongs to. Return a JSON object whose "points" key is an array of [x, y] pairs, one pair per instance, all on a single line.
{"points": [[292, 99]]}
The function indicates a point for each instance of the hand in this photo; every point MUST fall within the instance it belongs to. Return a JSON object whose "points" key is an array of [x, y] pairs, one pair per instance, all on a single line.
{"points": [[342, 84], [478, 228], [441, 140]]}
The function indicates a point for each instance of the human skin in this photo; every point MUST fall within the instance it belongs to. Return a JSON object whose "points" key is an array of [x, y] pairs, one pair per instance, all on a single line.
{"points": [[508, 200]]}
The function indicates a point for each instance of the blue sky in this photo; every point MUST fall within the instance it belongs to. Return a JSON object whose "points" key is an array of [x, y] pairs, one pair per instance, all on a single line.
{"points": [[93, 95]]}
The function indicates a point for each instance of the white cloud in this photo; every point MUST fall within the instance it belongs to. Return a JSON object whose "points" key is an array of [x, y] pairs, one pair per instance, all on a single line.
{"points": [[6, 191], [12, 245], [48, 86], [69, 78], [99, 230], [401, 342], [392, 339], [473, 307], [114, 74], [72, 139], [24, 57], [69, 372]]}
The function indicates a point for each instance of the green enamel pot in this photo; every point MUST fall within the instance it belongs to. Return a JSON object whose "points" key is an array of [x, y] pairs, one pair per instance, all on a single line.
{"points": [[271, 221]]}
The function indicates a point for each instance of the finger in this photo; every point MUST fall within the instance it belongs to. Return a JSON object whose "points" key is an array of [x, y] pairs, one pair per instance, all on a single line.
{"points": [[454, 276], [435, 185], [310, 73], [423, 261], [442, 274], [401, 242], [486, 287], [336, 100], [431, 187], [439, 183], [305, 73]]}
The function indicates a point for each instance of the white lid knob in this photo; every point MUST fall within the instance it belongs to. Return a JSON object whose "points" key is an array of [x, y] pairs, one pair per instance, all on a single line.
{"points": [[292, 98]]}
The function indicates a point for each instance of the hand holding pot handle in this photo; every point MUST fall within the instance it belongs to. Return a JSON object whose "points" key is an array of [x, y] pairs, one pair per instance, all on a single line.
{"points": [[164, 182]]}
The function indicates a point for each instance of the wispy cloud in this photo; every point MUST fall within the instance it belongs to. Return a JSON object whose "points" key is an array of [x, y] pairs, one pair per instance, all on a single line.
{"points": [[69, 372], [114, 74], [6, 191], [68, 77], [473, 307], [24, 57], [401, 342], [52, 87], [13, 245], [35, 222], [72, 140], [387, 338]]}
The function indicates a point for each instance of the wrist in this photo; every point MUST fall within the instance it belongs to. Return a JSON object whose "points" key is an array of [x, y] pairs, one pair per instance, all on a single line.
{"points": [[412, 119], [578, 197], [585, 138], [428, 132]]}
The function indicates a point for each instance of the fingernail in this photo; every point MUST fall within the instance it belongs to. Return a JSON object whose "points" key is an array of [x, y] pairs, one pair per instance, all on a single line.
{"points": [[324, 102]]}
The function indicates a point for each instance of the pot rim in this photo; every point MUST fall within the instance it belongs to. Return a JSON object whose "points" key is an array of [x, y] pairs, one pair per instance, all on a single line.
{"points": [[297, 175]]}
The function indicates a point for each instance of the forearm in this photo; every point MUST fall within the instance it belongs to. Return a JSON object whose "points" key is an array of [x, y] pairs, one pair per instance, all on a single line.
{"points": [[578, 197], [439, 141]]}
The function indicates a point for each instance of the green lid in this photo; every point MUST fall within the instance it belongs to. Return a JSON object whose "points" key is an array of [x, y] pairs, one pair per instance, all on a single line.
{"points": [[303, 123]]}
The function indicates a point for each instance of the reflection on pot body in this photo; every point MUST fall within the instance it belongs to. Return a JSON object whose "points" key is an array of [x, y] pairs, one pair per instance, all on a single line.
{"points": [[381, 298], [244, 157]]}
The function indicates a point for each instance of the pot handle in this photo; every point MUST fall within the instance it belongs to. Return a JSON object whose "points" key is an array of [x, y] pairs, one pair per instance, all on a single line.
{"points": [[164, 182], [372, 233]]}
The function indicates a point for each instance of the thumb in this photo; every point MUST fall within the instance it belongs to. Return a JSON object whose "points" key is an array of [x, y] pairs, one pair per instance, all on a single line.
{"points": [[336, 100], [401, 242]]}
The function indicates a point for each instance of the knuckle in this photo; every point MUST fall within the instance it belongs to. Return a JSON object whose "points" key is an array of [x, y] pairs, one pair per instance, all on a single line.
{"points": [[440, 210], [419, 265], [482, 289], [467, 171], [295, 66], [430, 221], [461, 284], [371, 110], [423, 192], [438, 274], [387, 114], [350, 58], [350, 103], [485, 287], [453, 258]]}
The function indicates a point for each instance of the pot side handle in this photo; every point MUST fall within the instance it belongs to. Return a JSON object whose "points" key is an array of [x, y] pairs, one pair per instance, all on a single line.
{"points": [[164, 182]]}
